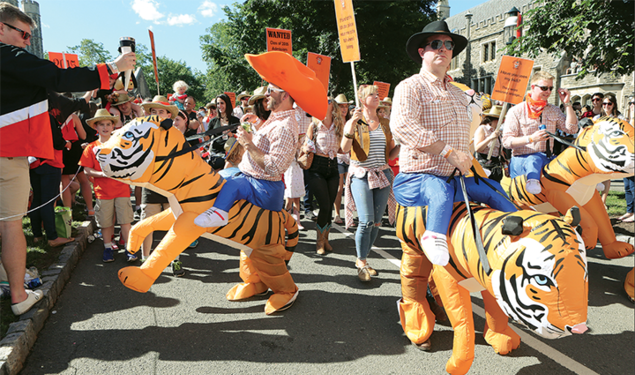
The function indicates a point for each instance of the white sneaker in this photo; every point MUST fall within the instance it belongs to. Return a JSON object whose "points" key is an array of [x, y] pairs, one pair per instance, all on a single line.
{"points": [[212, 218], [435, 246], [32, 297], [533, 186]]}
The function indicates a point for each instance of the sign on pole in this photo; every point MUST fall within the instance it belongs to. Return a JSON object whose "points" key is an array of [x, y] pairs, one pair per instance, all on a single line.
{"points": [[512, 79], [279, 40], [347, 30], [64, 60], [321, 65], [154, 60], [383, 89]]}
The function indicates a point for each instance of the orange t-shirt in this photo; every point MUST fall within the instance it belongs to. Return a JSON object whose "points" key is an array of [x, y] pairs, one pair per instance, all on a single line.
{"points": [[105, 188]]}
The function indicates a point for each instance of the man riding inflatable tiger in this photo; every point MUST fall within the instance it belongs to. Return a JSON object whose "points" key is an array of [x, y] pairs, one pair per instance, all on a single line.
{"points": [[150, 152]]}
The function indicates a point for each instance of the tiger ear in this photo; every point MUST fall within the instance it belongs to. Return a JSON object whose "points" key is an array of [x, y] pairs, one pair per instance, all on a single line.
{"points": [[585, 123], [166, 124], [573, 216], [512, 225]]}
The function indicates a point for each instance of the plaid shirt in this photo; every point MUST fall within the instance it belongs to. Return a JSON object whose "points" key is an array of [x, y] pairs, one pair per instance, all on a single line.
{"points": [[427, 110], [327, 142], [277, 138], [518, 124]]}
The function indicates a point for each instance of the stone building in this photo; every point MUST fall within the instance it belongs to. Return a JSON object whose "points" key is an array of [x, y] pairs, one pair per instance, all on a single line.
{"points": [[483, 25], [32, 9]]}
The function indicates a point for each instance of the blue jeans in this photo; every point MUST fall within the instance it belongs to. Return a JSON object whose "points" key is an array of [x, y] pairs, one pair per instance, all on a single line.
{"points": [[45, 181], [629, 187], [530, 165], [370, 204], [262, 193], [420, 189]]}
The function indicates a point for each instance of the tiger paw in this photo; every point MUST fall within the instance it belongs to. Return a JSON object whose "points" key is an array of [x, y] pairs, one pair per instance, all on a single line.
{"points": [[280, 302], [503, 343], [617, 249], [135, 279], [245, 290]]}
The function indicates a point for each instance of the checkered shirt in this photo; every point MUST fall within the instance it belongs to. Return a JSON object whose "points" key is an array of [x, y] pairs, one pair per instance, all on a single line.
{"points": [[518, 124], [277, 138], [303, 120], [426, 110], [327, 142]]}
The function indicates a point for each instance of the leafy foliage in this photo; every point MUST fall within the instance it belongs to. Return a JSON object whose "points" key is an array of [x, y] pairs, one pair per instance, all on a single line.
{"points": [[90, 52], [596, 33], [383, 28]]}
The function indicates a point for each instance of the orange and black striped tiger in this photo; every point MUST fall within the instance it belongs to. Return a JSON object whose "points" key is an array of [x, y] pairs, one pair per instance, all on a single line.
{"points": [[145, 152], [604, 151], [538, 277]]}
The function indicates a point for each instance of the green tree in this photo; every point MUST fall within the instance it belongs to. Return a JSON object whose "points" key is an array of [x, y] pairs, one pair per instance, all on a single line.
{"points": [[383, 29], [171, 71], [597, 33], [90, 52]]}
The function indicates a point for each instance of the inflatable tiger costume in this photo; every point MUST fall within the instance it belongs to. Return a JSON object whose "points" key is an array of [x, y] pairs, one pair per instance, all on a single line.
{"points": [[152, 153], [538, 277], [604, 151]]}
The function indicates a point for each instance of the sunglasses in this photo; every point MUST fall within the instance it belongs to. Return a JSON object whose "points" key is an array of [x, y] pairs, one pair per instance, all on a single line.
{"points": [[25, 35], [436, 44], [330, 101], [596, 99], [270, 89], [545, 88], [607, 103]]}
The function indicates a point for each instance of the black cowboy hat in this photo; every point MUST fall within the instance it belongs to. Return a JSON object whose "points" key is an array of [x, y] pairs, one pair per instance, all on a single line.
{"points": [[432, 29]]}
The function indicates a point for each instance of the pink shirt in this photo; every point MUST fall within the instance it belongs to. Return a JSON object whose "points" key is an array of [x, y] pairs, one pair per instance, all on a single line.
{"points": [[327, 142]]}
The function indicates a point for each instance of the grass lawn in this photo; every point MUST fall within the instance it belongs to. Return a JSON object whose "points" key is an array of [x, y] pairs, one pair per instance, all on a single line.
{"points": [[39, 255]]}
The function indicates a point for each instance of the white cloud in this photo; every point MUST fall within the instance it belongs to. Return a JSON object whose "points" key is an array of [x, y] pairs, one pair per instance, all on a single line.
{"points": [[208, 9], [147, 10], [45, 25], [181, 19]]}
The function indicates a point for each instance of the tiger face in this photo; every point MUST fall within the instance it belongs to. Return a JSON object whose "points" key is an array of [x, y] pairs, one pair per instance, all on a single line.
{"points": [[611, 145], [544, 289], [130, 150]]}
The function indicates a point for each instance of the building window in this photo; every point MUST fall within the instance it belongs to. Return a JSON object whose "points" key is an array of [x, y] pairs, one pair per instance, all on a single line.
{"points": [[489, 51], [454, 63], [483, 84]]}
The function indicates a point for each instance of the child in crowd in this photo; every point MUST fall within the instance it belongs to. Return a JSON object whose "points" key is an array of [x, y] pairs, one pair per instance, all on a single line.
{"points": [[112, 196], [179, 96]]}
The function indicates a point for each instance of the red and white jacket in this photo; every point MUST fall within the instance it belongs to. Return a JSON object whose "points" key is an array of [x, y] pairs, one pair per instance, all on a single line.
{"points": [[24, 119]]}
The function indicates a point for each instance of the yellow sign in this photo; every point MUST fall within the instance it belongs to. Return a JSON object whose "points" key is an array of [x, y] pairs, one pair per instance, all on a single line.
{"points": [[347, 30], [512, 79], [279, 40]]}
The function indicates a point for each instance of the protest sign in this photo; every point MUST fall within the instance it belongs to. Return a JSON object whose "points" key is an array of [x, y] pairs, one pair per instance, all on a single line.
{"points": [[64, 60], [347, 30], [383, 89], [232, 97], [154, 60], [512, 79], [279, 40], [321, 65]]}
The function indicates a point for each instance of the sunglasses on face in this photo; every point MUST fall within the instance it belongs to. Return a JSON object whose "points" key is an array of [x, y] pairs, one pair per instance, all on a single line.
{"points": [[270, 89], [330, 101], [436, 44], [596, 99], [545, 88], [607, 103], [25, 35]]}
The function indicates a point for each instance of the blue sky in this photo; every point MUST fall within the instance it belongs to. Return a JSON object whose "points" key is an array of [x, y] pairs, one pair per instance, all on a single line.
{"points": [[176, 25]]}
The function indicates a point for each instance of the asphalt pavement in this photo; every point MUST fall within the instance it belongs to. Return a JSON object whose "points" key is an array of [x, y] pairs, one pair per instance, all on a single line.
{"points": [[338, 325]]}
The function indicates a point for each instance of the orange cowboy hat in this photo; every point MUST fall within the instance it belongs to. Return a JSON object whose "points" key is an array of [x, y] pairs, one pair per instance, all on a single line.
{"points": [[286, 72]]}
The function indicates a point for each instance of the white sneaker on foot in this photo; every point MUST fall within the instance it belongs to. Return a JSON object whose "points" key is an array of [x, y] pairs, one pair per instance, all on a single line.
{"points": [[435, 246], [212, 218], [533, 186], [32, 297]]}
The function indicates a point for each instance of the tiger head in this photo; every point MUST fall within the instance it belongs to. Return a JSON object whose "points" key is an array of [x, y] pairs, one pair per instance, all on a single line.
{"points": [[542, 278], [131, 151], [610, 144]]}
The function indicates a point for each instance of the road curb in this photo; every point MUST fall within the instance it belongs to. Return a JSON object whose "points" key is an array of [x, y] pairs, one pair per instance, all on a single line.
{"points": [[21, 335]]}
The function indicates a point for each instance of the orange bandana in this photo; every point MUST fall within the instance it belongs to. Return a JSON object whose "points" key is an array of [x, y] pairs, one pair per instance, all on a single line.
{"points": [[535, 107]]}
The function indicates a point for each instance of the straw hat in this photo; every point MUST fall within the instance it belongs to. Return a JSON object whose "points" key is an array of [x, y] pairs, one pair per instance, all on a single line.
{"points": [[387, 101], [495, 112], [100, 115], [120, 99], [432, 29], [211, 104], [242, 95], [161, 101], [230, 146], [341, 99], [298, 80], [259, 93]]}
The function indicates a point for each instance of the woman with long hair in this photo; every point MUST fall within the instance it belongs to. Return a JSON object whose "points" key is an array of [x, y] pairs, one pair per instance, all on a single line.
{"points": [[369, 183], [609, 108], [343, 159], [224, 117], [484, 135], [324, 137]]}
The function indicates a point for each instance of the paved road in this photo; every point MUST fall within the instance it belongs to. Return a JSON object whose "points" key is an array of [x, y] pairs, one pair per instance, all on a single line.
{"points": [[337, 326]]}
